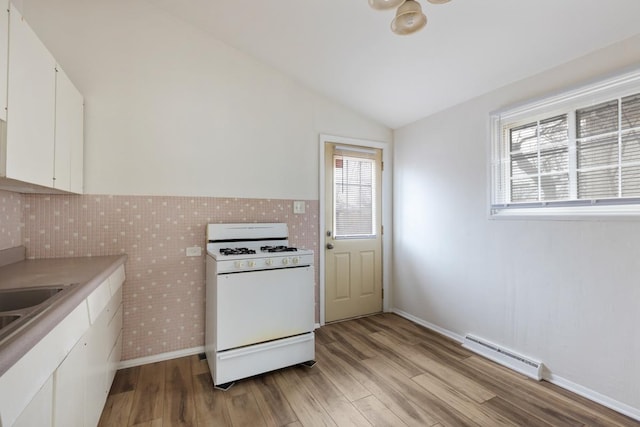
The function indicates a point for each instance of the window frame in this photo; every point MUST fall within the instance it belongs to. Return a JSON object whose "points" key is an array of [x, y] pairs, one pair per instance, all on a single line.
{"points": [[352, 155], [566, 102]]}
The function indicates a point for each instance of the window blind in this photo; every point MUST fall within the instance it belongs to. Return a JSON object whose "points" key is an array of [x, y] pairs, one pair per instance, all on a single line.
{"points": [[354, 193], [583, 155]]}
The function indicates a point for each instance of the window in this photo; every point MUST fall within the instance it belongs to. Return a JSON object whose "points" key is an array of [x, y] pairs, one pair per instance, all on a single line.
{"points": [[354, 194], [576, 153]]}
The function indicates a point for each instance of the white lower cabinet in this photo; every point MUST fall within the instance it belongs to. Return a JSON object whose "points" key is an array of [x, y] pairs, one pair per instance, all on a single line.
{"points": [[101, 339], [65, 379], [83, 380], [69, 379], [38, 412]]}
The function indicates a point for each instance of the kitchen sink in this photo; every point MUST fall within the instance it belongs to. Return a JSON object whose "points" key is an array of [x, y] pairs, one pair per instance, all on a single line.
{"points": [[18, 299], [6, 319], [19, 306]]}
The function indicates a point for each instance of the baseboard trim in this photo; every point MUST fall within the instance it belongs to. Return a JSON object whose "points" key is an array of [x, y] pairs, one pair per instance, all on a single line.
{"points": [[429, 325], [578, 389], [161, 357]]}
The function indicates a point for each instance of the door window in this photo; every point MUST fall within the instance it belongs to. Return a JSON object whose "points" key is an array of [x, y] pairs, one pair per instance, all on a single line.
{"points": [[354, 193]]}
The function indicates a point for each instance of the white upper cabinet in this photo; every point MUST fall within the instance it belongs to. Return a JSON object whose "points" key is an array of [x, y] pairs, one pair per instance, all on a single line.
{"points": [[31, 106], [68, 135], [4, 57], [41, 114]]}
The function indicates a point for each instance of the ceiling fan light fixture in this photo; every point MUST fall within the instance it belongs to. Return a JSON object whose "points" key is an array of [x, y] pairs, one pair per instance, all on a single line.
{"points": [[409, 18], [385, 4], [438, 1]]}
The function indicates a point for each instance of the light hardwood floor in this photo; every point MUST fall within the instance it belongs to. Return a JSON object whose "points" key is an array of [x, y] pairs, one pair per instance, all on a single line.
{"points": [[381, 370]]}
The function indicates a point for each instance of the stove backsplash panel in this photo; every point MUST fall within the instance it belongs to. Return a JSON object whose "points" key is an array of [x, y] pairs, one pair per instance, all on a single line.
{"points": [[164, 291]]}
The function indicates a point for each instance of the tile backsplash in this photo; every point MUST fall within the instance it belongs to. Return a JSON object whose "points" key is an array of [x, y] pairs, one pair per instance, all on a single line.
{"points": [[10, 219], [164, 290]]}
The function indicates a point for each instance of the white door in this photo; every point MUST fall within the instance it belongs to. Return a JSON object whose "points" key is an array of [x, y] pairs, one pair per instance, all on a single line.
{"points": [[353, 250]]}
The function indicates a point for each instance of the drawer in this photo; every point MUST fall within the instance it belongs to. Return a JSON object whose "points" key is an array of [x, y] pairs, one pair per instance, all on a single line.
{"points": [[98, 300], [116, 280]]}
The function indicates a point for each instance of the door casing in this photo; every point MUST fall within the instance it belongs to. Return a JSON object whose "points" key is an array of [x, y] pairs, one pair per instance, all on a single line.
{"points": [[387, 302]]}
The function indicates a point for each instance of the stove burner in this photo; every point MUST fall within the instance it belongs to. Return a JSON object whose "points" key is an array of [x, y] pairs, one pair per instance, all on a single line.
{"points": [[236, 251], [277, 249]]}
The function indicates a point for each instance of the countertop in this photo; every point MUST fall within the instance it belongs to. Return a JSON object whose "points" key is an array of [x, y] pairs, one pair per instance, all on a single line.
{"points": [[88, 272]]}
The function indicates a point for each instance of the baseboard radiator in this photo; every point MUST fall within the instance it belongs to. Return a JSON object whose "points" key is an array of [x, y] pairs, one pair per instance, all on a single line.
{"points": [[503, 356]]}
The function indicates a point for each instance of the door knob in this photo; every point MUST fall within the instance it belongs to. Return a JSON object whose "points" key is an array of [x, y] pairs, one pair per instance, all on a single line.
{"points": [[329, 246]]}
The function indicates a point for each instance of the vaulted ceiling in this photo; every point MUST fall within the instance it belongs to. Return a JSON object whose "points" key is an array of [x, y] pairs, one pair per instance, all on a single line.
{"points": [[346, 51]]}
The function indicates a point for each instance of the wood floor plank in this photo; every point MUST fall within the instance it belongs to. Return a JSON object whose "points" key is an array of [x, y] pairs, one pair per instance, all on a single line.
{"points": [[438, 410], [560, 409], [307, 408], [152, 423], [487, 365], [386, 326], [409, 412], [358, 349], [514, 413], [482, 415], [179, 405], [616, 418], [334, 402], [325, 335], [364, 323], [461, 383], [508, 386], [239, 387], [527, 395], [344, 381], [427, 336], [148, 399], [272, 402], [125, 380], [377, 413], [211, 408], [198, 366], [117, 409], [244, 411], [357, 333]]}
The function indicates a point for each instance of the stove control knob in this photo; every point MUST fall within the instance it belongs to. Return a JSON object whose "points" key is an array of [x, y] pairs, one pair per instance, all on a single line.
{"points": [[285, 261], [252, 263], [296, 260], [269, 262], [239, 264]]}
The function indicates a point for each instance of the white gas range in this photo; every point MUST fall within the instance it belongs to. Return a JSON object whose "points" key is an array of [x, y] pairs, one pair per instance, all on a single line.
{"points": [[260, 304]]}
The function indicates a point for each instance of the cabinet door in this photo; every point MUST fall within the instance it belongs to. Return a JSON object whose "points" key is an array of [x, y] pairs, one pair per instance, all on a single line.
{"points": [[38, 412], [69, 388], [31, 105], [96, 374], [68, 135], [4, 57]]}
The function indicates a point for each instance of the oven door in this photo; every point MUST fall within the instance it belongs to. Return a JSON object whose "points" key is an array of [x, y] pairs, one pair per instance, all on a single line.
{"points": [[258, 306]]}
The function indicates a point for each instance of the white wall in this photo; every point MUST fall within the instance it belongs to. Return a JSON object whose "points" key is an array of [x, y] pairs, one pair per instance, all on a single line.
{"points": [[564, 292], [172, 111]]}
